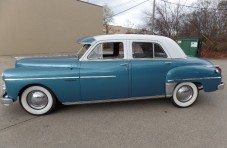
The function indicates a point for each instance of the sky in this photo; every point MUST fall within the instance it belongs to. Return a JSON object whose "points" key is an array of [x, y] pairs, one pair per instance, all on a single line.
{"points": [[133, 18]]}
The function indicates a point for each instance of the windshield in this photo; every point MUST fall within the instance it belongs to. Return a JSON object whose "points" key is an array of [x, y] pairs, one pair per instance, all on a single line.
{"points": [[82, 50]]}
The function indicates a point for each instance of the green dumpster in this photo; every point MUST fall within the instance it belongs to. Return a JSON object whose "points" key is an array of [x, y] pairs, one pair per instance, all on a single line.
{"points": [[191, 46]]}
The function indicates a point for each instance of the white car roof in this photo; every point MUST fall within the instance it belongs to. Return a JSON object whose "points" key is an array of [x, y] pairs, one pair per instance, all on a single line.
{"points": [[173, 49]]}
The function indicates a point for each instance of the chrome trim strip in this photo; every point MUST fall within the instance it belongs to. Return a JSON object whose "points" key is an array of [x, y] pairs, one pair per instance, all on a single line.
{"points": [[192, 79], [113, 100], [153, 59], [103, 60], [91, 77], [57, 78], [212, 66], [45, 56], [169, 89], [51, 78]]}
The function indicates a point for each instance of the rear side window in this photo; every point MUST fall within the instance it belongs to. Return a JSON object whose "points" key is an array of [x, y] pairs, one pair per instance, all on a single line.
{"points": [[147, 50]]}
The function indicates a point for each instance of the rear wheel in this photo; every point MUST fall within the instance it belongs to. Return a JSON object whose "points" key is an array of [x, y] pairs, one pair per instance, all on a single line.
{"points": [[37, 100], [185, 94]]}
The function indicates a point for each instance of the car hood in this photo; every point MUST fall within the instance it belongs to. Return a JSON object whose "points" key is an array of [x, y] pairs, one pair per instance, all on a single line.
{"points": [[64, 61]]}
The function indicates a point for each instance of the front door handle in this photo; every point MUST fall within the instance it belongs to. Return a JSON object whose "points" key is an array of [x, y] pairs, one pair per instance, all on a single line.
{"points": [[168, 62], [124, 64]]}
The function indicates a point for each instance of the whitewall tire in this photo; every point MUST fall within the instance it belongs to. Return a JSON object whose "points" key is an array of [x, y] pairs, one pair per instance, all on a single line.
{"points": [[37, 100], [185, 94]]}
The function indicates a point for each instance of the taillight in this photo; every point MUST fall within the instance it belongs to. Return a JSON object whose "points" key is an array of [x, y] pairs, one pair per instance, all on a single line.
{"points": [[219, 69]]}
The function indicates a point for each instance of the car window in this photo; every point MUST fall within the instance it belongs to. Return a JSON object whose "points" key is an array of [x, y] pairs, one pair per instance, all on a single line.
{"points": [[109, 50], [142, 50], [82, 50], [159, 52], [147, 50]]}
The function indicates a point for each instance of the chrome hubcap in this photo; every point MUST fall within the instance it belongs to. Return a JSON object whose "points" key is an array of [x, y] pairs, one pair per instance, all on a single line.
{"points": [[37, 100], [184, 93]]}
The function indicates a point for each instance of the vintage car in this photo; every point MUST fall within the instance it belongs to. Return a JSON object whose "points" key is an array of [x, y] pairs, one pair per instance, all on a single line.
{"points": [[110, 68]]}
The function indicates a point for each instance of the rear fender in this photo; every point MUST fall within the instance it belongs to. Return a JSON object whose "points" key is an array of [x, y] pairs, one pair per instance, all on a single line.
{"points": [[207, 76]]}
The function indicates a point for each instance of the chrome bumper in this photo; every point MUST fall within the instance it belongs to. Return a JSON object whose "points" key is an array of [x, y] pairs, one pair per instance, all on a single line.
{"points": [[221, 86], [6, 101]]}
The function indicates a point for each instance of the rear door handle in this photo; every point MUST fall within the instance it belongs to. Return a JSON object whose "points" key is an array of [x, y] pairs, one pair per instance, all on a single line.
{"points": [[124, 64]]}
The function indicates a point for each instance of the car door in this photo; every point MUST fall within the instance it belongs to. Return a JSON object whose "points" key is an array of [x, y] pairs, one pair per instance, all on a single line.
{"points": [[149, 66], [104, 72]]}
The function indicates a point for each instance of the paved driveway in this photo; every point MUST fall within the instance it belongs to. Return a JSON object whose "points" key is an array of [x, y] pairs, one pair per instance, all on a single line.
{"points": [[150, 123]]}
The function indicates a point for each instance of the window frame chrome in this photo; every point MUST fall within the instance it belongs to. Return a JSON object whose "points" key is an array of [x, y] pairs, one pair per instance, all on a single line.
{"points": [[148, 41], [92, 47]]}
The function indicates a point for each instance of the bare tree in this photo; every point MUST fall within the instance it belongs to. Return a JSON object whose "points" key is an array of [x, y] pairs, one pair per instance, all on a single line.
{"points": [[208, 23], [108, 18], [206, 19], [168, 20]]}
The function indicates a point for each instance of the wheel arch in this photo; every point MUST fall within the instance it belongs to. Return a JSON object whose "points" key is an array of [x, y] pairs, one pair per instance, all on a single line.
{"points": [[171, 86], [36, 84]]}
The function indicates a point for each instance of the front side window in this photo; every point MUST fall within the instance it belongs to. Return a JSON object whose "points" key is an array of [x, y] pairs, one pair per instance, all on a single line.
{"points": [[82, 50], [147, 50], [109, 50]]}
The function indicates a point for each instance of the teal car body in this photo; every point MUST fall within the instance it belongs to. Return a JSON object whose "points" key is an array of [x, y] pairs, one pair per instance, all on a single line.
{"points": [[85, 79]]}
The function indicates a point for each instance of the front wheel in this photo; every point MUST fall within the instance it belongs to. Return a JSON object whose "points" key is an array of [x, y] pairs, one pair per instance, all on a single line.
{"points": [[37, 100], [185, 94]]}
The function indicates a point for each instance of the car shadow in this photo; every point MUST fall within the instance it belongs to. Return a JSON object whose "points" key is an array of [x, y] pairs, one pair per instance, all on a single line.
{"points": [[135, 104], [205, 100]]}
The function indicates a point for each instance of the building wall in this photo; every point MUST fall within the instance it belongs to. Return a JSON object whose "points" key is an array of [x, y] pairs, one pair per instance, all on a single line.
{"points": [[46, 26]]}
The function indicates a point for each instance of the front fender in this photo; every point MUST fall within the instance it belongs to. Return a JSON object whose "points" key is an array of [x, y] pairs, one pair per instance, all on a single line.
{"points": [[53, 78], [207, 76]]}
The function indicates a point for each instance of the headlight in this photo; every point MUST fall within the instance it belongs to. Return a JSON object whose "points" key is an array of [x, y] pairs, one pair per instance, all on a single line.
{"points": [[4, 88]]}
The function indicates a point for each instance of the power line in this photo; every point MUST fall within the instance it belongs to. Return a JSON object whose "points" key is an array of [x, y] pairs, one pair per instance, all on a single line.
{"points": [[124, 3], [153, 17], [131, 8], [189, 6]]}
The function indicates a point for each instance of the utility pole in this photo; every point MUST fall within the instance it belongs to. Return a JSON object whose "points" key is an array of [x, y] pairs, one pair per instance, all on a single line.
{"points": [[153, 17]]}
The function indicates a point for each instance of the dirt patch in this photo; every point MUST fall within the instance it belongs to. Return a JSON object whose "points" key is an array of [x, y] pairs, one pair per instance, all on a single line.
{"points": [[213, 54]]}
